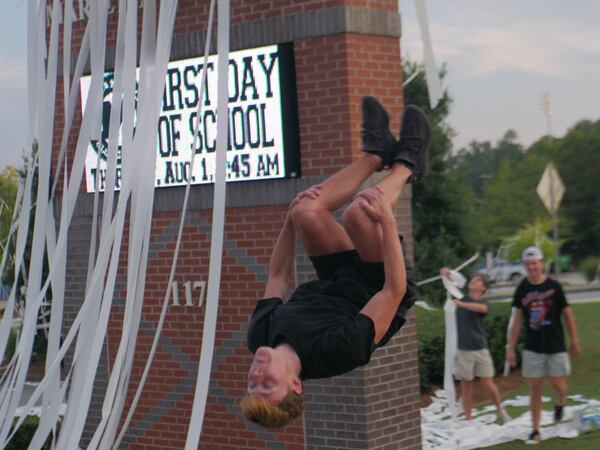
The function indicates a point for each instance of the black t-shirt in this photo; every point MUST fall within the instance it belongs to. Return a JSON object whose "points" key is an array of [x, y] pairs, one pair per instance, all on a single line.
{"points": [[542, 306], [323, 324], [469, 324]]}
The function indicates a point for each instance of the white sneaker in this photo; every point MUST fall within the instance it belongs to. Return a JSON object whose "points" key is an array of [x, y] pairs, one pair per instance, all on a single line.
{"points": [[534, 438], [504, 416]]}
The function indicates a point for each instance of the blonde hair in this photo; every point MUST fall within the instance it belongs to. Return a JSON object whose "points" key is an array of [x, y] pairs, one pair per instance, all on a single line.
{"points": [[258, 410]]}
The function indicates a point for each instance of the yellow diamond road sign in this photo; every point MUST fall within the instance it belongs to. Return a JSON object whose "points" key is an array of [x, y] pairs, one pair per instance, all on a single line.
{"points": [[551, 188]]}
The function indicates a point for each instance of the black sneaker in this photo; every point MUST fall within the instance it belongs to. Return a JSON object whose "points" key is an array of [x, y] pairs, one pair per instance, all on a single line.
{"points": [[376, 135], [558, 413], [413, 148], [534, 438]]}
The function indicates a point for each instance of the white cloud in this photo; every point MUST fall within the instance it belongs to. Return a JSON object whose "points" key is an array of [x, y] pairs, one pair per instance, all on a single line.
{"points": [[501, 56], [542, 48]]}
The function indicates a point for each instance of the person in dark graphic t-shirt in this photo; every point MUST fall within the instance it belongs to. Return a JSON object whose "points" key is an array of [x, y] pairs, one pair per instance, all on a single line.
{"points": [[540, 304]]}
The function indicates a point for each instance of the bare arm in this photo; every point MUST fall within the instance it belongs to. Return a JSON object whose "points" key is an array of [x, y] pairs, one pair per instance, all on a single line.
{"points": [[515, 331], [476, 307], [284, 252], [382, 307], [393, 258], [572, 329], [282, 261]]}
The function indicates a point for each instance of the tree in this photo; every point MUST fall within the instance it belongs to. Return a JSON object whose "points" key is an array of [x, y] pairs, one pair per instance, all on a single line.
{"points": [[472, 164], [445, 227], [535, 233], [510, 197], [9, 275], [577, 161], [9, 184], [8, 278], [480, 160], [511, 200], [504, 179]]}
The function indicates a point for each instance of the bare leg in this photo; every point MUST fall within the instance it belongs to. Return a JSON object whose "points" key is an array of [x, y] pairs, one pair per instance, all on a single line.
{"points": [[490, 387], [535, 394], [343, 185], [466, 393], [366, 234], [559, 385], [320, 233]]}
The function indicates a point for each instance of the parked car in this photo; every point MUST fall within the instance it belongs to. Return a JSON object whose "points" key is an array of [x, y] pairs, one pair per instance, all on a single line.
{"points": [[505, 272]]}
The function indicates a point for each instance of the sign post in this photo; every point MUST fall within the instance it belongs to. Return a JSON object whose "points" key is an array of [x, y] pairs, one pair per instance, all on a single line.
{"points": [[551, 190]]}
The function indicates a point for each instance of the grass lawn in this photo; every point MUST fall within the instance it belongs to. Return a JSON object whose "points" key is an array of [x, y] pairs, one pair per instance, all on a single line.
{"points": [[584, 380], [585, 375]]}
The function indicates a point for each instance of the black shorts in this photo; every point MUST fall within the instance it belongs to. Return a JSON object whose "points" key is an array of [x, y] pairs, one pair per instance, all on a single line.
{"points": [[347, 268], [349, 265]]}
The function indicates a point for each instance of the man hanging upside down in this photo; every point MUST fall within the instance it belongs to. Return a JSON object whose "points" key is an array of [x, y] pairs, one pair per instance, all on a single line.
{"points": [[332, 325]]}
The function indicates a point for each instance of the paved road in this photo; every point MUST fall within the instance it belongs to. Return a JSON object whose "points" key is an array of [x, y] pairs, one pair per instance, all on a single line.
{"points": [[580, 295], [584, 297], [576, 287]]}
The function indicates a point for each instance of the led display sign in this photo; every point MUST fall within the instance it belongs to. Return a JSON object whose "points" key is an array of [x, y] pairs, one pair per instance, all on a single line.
{"points": [[263, 121]]}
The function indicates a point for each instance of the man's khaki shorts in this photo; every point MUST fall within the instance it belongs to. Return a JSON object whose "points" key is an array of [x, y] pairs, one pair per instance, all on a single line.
{"points": [[469, 364], [536, 365]]}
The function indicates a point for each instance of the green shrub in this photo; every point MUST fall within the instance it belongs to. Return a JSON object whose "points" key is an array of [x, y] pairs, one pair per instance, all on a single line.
{"points": [[431, 340], [496, 323], [589, 266], [431, 362], [25, 433], [432, 293]]}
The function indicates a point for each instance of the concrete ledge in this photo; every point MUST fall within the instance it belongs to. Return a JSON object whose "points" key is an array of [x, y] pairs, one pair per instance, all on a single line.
{"points": [[281, 29], [248, 193], [243, 194]]}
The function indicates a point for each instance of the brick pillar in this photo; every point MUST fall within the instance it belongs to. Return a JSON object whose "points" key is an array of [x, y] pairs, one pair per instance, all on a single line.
{"points": [[344, 49], [376, 406]]}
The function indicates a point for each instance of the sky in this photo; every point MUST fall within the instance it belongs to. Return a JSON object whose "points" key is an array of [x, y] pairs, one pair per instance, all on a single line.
{"points": [[500, 57], [13, 81]]}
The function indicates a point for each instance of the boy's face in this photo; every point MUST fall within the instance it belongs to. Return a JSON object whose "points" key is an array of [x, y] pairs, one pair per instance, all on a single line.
{"points": [[534, 267], [476, 288], [269, 376]]}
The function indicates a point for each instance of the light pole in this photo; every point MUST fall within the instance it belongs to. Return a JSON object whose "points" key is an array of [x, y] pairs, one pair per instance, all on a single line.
{"points": [[549, 112]]}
